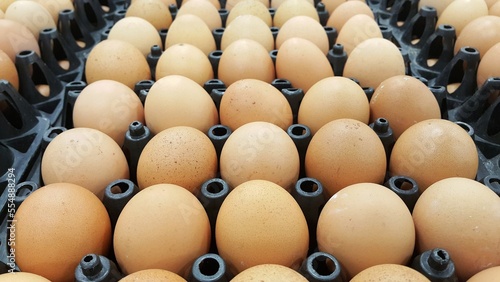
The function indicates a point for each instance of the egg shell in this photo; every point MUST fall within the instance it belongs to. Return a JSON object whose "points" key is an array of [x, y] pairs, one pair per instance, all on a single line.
{"points": [[248, 27], [333, 98], [2, 14], [461, 12], [177, 100], [302, 63], [162, 227], [249, 100], [5, 4], [8, 70], [215, 3], [481, 34], [439, 5], [203, 9], [165, 2], [113, 59], [192, 30], [16, 38], [488, 66], [245, 58], [345, 11], [153, 275], [365, 61], [186, 60], [179, 155], [461, 216], [108, 106], [356, 156], [56, 226], [154, 11], [357, 29], [22, 277], [136, 31], [304, 27], [489, 274], [31, 14], [86, 157], [259, 150], [388, 273], [432, 150], [259, 222], [231, 3], [276, 3], [55, 6], [291, 8], [250, 7], [269, 273], [494, 10]]}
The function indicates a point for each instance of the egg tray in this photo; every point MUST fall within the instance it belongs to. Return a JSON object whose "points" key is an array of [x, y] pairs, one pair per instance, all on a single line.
{"points": [[29, 120]]}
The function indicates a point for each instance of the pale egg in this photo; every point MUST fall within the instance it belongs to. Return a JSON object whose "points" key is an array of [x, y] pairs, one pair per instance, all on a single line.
{"points": [[154, 11], [136, 31], [31, 14], [250, 7], [203, 9], [248, 27], [292, 8]]}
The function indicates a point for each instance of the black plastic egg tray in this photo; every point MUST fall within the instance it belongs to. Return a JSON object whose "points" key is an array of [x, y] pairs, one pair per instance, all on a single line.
{"points": [[29, 121]]}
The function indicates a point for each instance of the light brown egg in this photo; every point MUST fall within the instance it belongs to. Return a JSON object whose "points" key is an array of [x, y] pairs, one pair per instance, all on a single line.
{"points": [[248, 27], [304, 27], [403, 101], [432, 150], [358, 155], [481, 34], [215, 3], [203, 9], [461, 216], [2, 14], [86, 157], [361, 209], [333, 98], [16, 38], [250, 7], [136, 31], [153, 275], [489, 274], [113, 59], [22, 277], [161, 227], [331, 5], [108, 106], [245, 58], [345, 11], [177, 100], [490, 2], [56, 226], [302, 63], [494, 10], [260, 150], [439, 5], [388, 273], [154, 11], [269, 273], [31, 14], [461, 12], [259, 222], [276, 3], [180, 58], [488, 66], [165, 2], [55, 6], [5, 4], [291, 8], [365, 61], [231, 3], [357, 29], [179, 155], [192, 30], [8, 70]]}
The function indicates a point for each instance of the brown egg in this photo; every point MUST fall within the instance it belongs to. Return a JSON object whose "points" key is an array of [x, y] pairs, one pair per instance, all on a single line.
{"points": [[31, 14], [403, 101], [2, 14], [5, 3], [250, 7], [154, 11], [388, 273], [180, 58], [269, 273], [304, 27], [439, 5], [358, 155], [86, 157], [55, 6], [177, 100], [108, 106], [481, 34], [22, 277], [333, 98], [136, 31], [249, 100], [165, 2], [345, 11], [361, 209], [357, 29], [488, 66], [192, 30], [432, 150], [245, 58], [365, 61], [302, 63], [16, 38], [153, 275], [161, 227], [291, 8], [260, 150], [215, 3], [489, 274], [494, 10], [179, 155], [248, 27], [276, 3], [113, 59], [461, 216], [331, 5], [461, 12], [8, 70], [259, 222], [56, 226], [203, 9], [231, 3]]}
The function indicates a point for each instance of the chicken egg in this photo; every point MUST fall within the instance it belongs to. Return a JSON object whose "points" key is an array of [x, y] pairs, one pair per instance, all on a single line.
{"points": [[31, 14], [304, 27], [153, 275], [248, 27], [439, 5], [165, 2], [192, 30], [345, 11], [388, 273], [231, 3], [16, 38], [269, 272], [276, 3], [22, 277], [481, 34], [215, 3], [55, 6], [357, 29], [291, 8], [461, 12], [494, 10], [136, 31], [154, 11], [488, 66], [5, 4], [203, 9], [2, 14], [250, 7], [489, 274], [8, 70]]}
